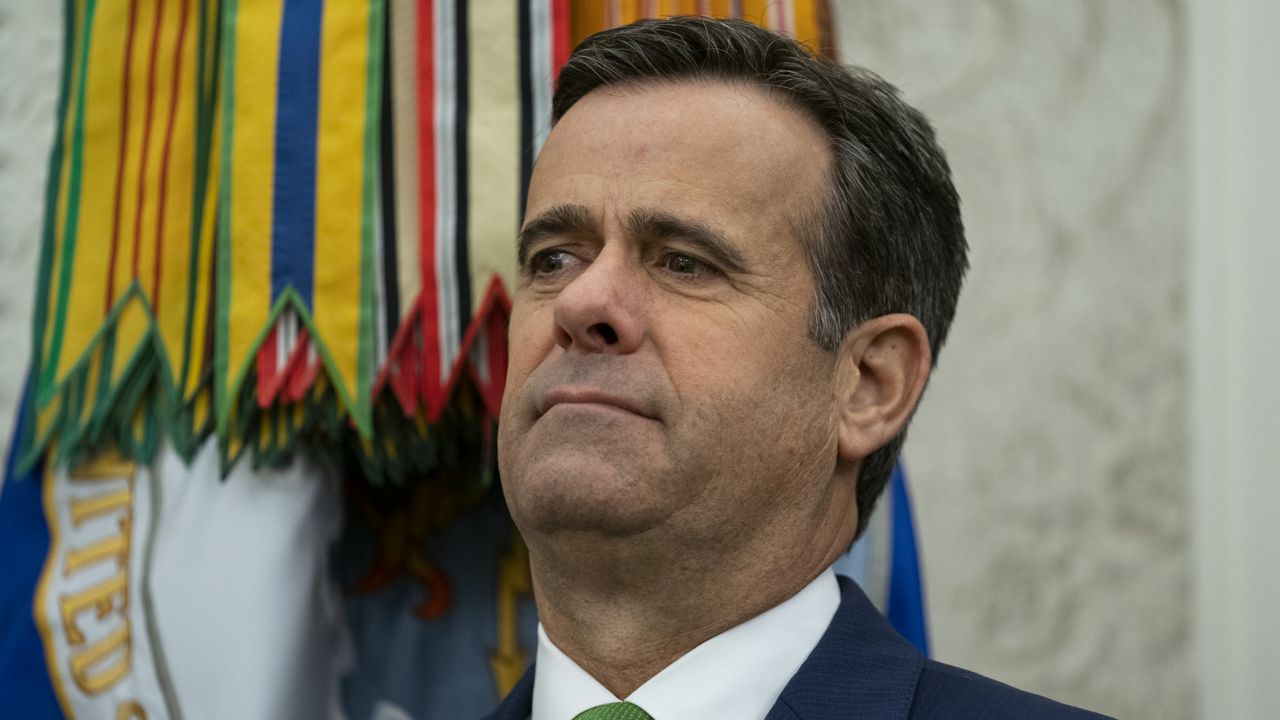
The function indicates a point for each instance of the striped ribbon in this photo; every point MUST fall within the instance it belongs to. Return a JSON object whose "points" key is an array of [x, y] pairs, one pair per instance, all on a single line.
{"points": [[469, 111], [467, 107], [119, 321], [301, 85], [808, 21], [293, 221]]}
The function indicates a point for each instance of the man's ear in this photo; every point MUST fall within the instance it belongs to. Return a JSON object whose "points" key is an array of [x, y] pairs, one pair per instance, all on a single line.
{"points": [[883, 366]]}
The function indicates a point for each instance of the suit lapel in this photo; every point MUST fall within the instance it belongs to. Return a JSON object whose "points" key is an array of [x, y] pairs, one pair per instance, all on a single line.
{"points": [[860, 668], [518, 705]]}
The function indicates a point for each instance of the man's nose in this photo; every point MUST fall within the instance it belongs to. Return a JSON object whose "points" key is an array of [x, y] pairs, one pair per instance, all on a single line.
{"points": [[597, 311]]}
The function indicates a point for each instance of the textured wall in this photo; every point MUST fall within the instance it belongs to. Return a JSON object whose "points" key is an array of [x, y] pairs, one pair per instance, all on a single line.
{"points": [[1049, 460], [30, 59]]}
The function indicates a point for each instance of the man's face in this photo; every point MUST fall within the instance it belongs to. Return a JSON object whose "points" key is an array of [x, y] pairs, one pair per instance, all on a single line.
{"points": [[661, 375]]}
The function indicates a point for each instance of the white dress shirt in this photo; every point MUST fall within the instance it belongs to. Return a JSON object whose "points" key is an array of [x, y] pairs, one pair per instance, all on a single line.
{"points": [[737, 674]]}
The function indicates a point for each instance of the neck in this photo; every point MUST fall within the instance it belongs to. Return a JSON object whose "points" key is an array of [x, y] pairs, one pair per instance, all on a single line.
{"points": [[624, 609]]}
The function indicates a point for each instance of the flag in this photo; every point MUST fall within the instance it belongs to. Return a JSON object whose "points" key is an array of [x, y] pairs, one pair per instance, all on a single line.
{"points": [[885, 562], [146, 591], [75, 639], [24, 544]]}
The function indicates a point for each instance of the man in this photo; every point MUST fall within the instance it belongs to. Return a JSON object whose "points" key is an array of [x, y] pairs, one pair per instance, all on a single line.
{"points": [[738, 265]]}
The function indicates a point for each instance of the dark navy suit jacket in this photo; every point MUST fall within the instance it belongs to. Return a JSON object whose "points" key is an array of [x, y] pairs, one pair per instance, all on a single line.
{"points": [[863, 669]]}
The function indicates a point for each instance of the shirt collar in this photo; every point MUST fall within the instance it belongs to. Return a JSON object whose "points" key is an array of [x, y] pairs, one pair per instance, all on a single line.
{"points": [[738, 673]]}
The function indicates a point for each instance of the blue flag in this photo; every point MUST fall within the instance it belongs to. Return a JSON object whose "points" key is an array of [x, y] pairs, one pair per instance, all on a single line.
{"points": [[24, 543], [905, 607]]}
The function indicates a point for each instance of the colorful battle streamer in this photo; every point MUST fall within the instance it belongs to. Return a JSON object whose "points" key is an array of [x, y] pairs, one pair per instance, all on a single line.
{"points": [[119, 323], [293, 222]]}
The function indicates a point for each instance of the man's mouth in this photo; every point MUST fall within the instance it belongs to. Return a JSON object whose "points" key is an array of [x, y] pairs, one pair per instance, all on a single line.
{"points": [[586, 397]]}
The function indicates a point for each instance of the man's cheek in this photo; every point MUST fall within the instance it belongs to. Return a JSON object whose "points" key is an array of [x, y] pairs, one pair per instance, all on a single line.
{"points": [[525, 356], [704, 358]]}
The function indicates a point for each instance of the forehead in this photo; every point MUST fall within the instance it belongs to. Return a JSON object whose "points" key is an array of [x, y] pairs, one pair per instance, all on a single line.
{"points": [[727, 153]]}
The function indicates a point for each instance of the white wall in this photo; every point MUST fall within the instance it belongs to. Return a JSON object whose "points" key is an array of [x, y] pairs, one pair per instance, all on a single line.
{"points": [[1235, 272], [1050, 460], [30, 60]]}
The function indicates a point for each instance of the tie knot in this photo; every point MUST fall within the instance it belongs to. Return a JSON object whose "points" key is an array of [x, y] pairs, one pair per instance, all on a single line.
{"points": [[614, 711]]}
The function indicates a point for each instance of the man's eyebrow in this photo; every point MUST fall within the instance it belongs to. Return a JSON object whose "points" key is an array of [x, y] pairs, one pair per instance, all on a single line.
{"points": [[659, 225], [558, 220]]}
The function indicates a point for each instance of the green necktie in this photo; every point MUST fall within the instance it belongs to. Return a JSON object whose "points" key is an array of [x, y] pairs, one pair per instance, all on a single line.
{"points": [[614, 711]]}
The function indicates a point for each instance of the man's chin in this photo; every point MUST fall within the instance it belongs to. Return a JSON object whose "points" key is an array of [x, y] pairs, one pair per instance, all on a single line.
{"points": [[588, 498]]}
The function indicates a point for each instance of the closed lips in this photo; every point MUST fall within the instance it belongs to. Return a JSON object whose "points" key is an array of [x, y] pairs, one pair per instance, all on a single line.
{"points": [[589, 396]]}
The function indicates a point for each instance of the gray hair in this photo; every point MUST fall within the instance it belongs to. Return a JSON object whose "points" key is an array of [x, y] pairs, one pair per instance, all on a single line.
{"points": [[886, 238]]}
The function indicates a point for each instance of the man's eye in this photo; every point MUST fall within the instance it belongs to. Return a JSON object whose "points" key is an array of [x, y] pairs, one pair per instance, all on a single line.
{"points": [[685, 265], [549, 262]]}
